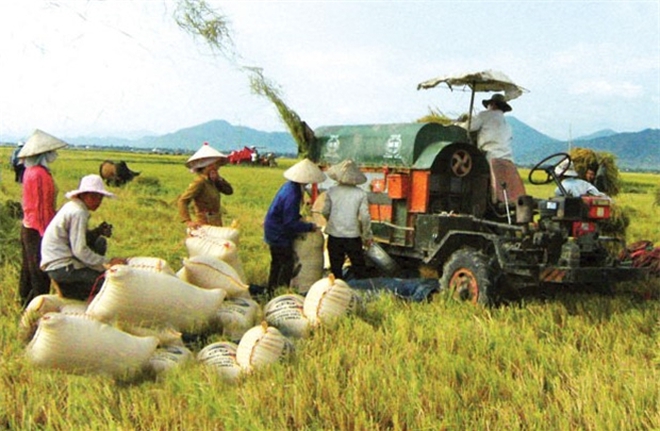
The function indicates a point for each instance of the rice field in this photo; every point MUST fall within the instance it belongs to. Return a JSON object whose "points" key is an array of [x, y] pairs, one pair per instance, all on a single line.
{"points": [[575, 361]]}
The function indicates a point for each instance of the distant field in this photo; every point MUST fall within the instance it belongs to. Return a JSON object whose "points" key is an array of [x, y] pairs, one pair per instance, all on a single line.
{"points": [[571, 362]]}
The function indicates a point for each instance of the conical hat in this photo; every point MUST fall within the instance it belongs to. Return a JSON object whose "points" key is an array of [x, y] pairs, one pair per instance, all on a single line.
{"points": [[205, 156], [347, 172], [40, 142], [304, 172], [566, 169]]}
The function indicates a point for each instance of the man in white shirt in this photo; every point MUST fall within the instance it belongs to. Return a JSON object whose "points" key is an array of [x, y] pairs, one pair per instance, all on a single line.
{"points": [[65, 254], [494, 133], [574, 186]]}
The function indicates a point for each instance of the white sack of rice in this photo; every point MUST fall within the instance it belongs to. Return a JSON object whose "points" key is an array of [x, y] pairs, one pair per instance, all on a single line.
{"points": [[42, 304], [166, 336], [262, 345], [327, 300], [222, 249], [210, 273], [308, 260], [168, 357], [77, 343], [236, 315], [285, 312], [232, 232], [222, 357], [155, 264], [152, 299]]}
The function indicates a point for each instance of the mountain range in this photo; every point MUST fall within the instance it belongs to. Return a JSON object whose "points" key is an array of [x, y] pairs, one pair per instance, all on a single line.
{"points": [[637, 151]]}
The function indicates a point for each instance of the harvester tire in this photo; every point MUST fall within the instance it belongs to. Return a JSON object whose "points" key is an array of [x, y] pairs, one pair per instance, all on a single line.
{"points": [[468, 276]]}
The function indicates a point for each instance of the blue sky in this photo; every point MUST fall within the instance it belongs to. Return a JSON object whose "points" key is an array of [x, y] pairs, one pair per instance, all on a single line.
{"points": [[75, 68]]}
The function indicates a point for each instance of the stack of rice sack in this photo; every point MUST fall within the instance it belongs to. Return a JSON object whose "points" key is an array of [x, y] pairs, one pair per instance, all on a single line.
{"points": [[141, 307], [218, 242], [286, 317], [214, 263]]}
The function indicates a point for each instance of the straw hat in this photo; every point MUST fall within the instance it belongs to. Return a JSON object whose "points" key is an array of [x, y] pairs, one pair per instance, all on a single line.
{"points": [[205, 156], [40, 142], [566, 169], [499, 101], [347, 172], [304, 172], [90, 184]]}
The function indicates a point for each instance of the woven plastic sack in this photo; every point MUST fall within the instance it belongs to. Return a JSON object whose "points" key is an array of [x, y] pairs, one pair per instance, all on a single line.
{"points": [[262, 345], [327, 300], [232, 232], [154, 264], [166, 336], [236, 316], [42, 304], [221, 356], [151, 299], [285, 312], [167, 358], [211, 273], [308, 260], [222, 249], [77, 343]]}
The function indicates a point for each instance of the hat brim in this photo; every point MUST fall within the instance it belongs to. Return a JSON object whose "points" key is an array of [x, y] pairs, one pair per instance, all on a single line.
{"points": [[351, 176], [40, 142], [305, 172], [503, 106], [207, 161], [74, 193]]}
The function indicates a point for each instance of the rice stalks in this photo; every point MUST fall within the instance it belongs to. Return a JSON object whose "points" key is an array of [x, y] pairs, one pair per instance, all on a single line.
{"points": [[301, 132], [197, 18]]}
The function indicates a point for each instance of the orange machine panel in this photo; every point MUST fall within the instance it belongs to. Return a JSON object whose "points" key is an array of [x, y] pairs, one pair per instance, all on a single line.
{"points": [[398, 186], [419, 200], [380, 212]]}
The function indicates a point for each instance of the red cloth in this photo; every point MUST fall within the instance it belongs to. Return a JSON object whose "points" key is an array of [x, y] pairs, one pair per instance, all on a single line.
{"points": [[39, 197]]}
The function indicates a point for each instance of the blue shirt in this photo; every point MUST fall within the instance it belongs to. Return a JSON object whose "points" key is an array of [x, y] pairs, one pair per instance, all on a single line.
{"points": [[283, 220]]}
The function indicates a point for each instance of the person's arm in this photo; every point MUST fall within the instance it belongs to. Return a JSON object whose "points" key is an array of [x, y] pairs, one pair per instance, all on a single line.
{"points": [[78, 243], [365, 220], [186, 198], [327, 206], [223, 186], [593, 191], [291, 218]]}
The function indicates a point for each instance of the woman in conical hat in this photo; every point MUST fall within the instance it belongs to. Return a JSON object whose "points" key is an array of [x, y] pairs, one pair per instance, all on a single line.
{"points": [[348, 227], [283, 221], [205, 190], [39, 204]]}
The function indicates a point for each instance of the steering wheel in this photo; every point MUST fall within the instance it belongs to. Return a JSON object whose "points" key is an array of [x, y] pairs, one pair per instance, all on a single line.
{"points": [[548, 166], [461, 163]]}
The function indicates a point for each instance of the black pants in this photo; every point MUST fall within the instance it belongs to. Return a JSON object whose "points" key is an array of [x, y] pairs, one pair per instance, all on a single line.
{"points": [[83, 283], [33, 281], [339, 248], [80, 284], [281, 267]]}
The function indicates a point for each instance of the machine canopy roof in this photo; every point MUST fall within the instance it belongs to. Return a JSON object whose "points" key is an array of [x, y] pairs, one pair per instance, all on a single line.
{"points": [[488, 80]]}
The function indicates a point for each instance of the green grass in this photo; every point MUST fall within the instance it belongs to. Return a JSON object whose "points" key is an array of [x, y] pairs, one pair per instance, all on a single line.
{"points": [[574, 362]]}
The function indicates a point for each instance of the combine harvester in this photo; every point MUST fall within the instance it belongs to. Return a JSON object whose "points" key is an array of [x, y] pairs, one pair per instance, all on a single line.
{"points": [[435, 200]]}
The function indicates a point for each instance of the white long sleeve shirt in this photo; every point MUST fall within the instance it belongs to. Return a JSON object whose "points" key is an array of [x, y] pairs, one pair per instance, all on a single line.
{"points": [[494, 134], [346, 209], [577, 187], [65, 243]]}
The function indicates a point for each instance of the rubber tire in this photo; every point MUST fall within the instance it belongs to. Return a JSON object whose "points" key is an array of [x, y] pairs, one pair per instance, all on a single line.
{"points": [[468, 276]]}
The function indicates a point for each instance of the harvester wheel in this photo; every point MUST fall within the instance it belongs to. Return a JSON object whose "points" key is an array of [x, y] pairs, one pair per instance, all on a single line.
{"points": [[468, 276]]}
